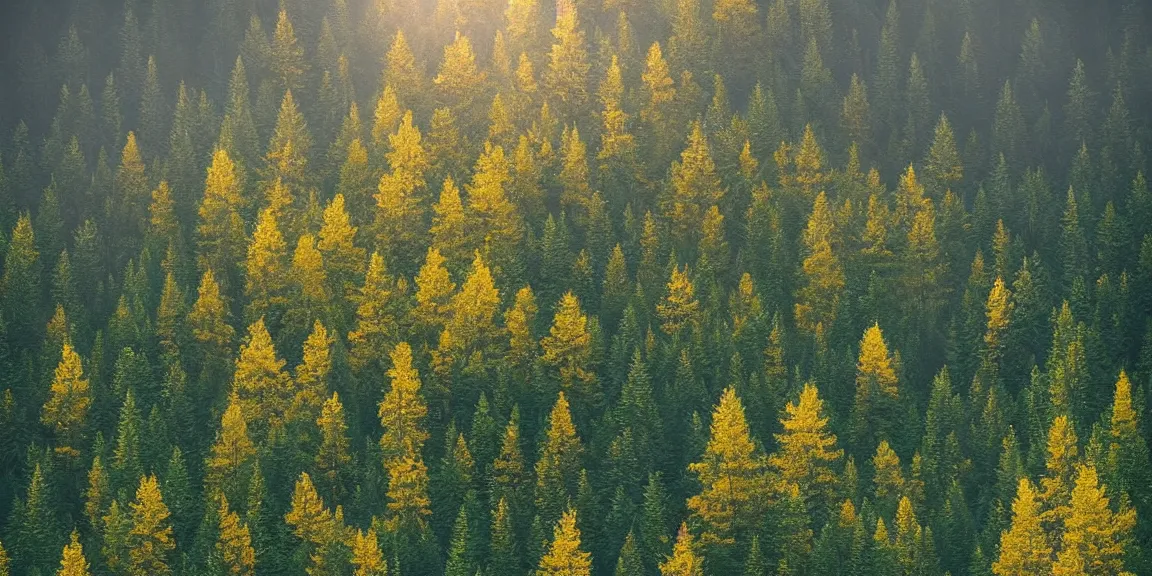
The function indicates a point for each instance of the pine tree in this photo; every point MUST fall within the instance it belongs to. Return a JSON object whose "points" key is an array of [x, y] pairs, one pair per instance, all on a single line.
{"points": [[459, 78], [494, 222], [568, 348], [287, 56], [695, 187], [286, 158], [408, 503], [558, 464], [220, 234], [366, 556], [818, 299], [343, 259], [679, 307], [402, 410], [72, 561], [400, 195], [1095, 537], [67, 408], [151, 535], [1127, 450], [565, 556], [567, 74], [375, 325], [449, 225], [684, 560], [310, 520], [732, 474], [873, 412], [234, 543], [20, 286], [807, 449], [232, 454], [264, 389]]}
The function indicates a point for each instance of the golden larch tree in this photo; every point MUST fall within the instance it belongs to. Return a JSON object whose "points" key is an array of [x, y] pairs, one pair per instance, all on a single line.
{"points": [[402, 411], [732, 475], [72, 560], [234, 543], [807, 448], [1024, 548], [684, 560], [818, 298], [565, 557], [66, 410], [150, 538]]}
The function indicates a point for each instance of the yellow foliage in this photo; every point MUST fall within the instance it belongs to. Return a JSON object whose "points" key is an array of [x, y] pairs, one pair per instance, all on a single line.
{"points": [[679, 307], [233, 448], [434, 290], [732, 474], [684, 560], [234, 543], [1024, 548], [66, 410], [403, 409], [874, 369], [263, 388], [565, 557], [568, 346], [72, 561], [807, 449], [151, 534]]}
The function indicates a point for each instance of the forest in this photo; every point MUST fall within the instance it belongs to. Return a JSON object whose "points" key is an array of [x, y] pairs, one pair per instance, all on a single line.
{"points": [[575, 287]]}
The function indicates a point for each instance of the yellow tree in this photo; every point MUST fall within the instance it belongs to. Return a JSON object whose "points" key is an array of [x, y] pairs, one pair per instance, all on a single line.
{"points": [[1024, 548], [150, 538], [568, 348], [343, 259], [310, 520], [519, 320], [558, 464], [220, 233], [208, 319], [732, 475], [565, 557], [310, 298], [874, 409], [459, 78], [473, 310], [375, 325], [494, 224], [233, 452], [1095, 537], [287, 157], [403, 72], [695, 187], [66, 410], [385, 117], [408, 502], [818, 299], [1063, 456], [434, 289], [684, 560], [399, 198], [264, 390], [333, 456], [567, 74], [266, 279], [402, 411], [807, 449], [659, 95], [449, 226], [679, 308], [234, 543], [312, 375], [72, 561], [366, 556]]}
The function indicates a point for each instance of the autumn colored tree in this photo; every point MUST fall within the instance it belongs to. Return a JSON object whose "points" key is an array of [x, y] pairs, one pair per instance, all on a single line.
{"points": [[565, 556], [732, 475], [558, 464], [807, 449], [67, 408], [403, 409]]}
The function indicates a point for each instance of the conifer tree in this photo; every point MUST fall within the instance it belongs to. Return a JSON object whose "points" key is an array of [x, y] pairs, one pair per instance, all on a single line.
{"points": [[807, 449], [234, 544], [264, 389], [565, 556], [434, 289], [818, 299], [375, 325], [232, 453], [558, 464], [20, 285], [399, 199], [684, 560], [402, 410], [1024, 549], [343, 259], [873, 412], [568, 348], [72, 561], [221, 231], [566, 76], [732, 474], [679, 307], [151, 534], [366, 556], [67, 408], [1095, 537], [333, 455]]}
